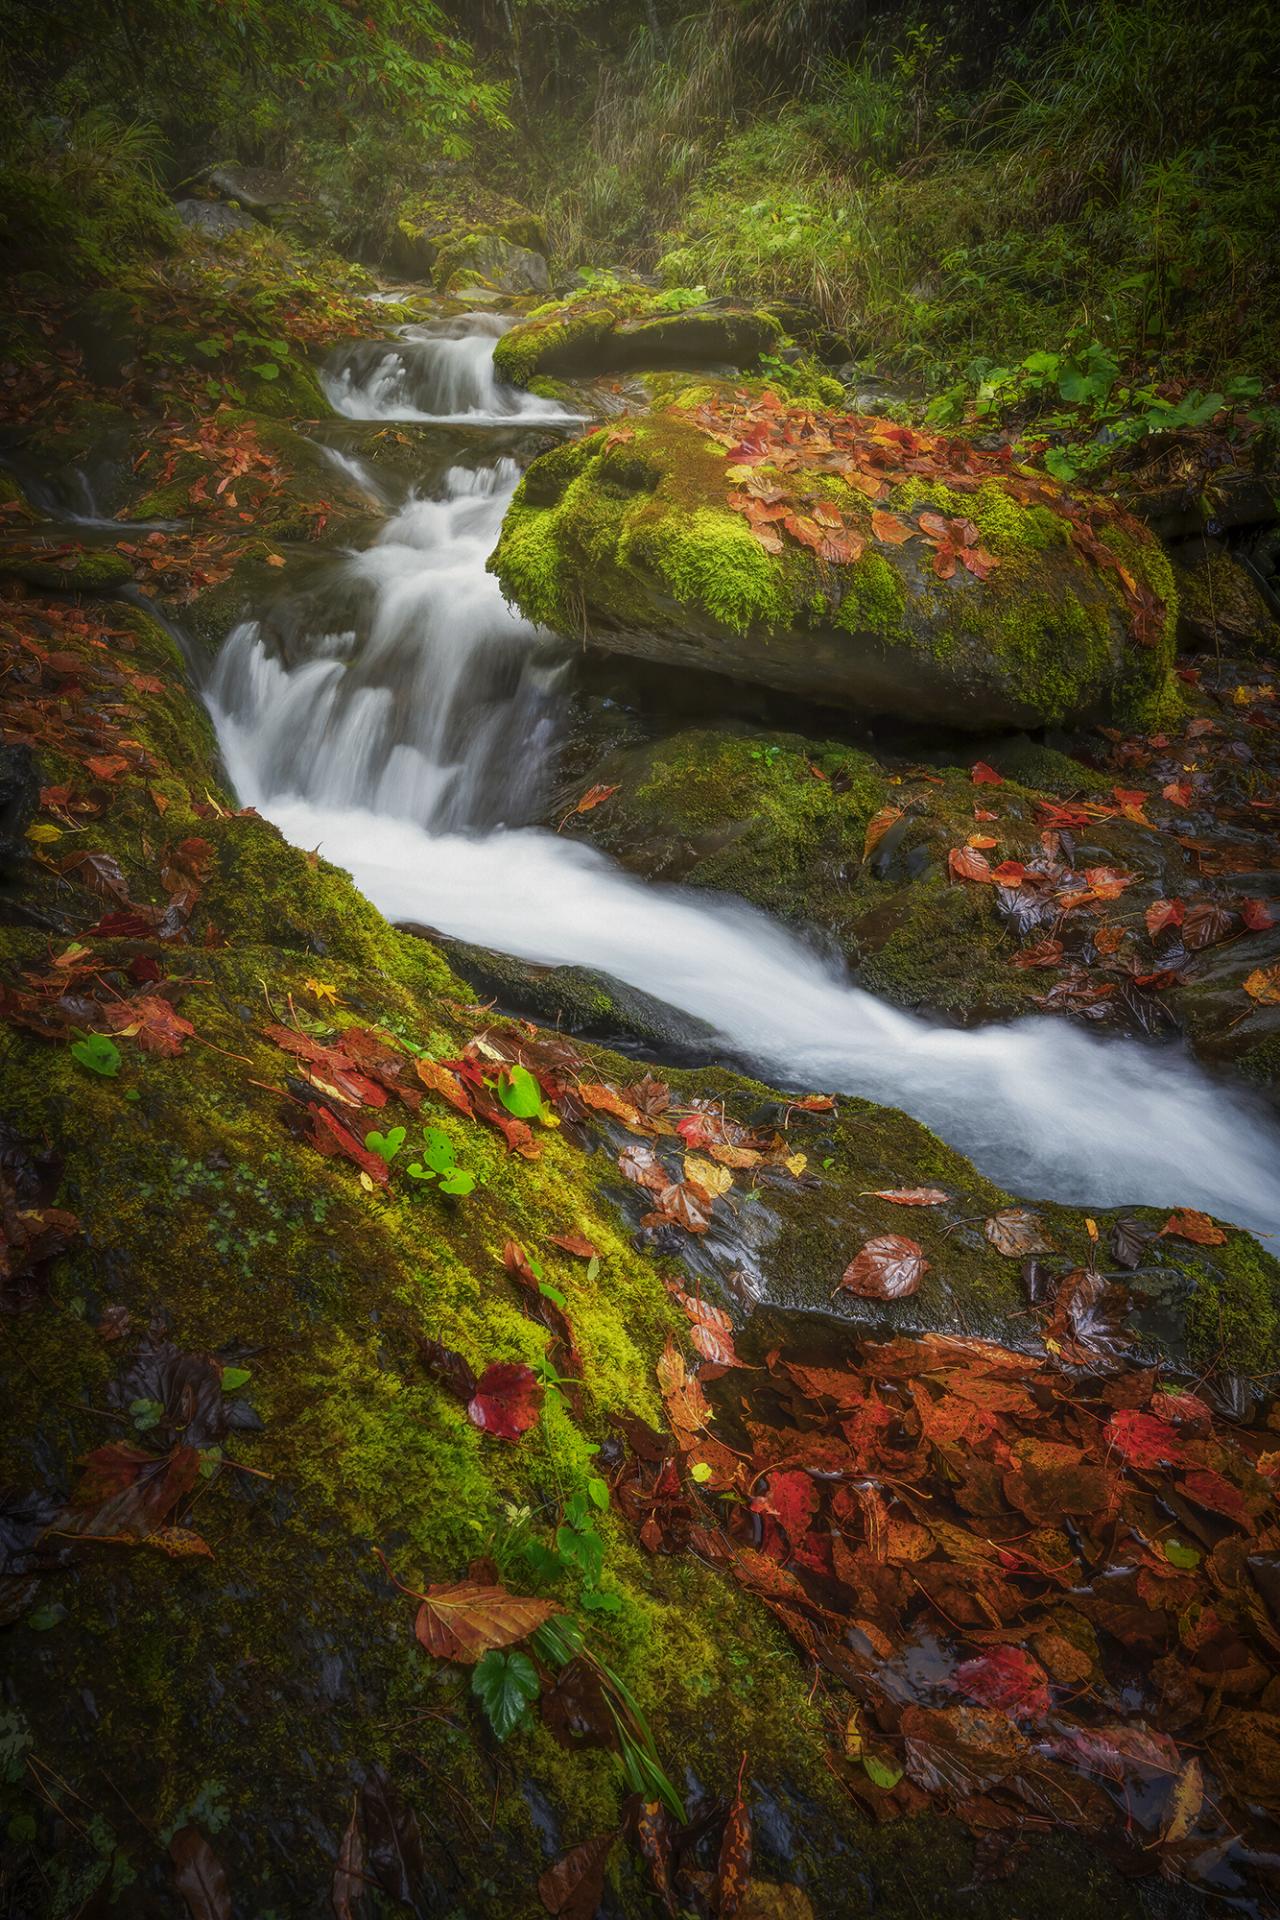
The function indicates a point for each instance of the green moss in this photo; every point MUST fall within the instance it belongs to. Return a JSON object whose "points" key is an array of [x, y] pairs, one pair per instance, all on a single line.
{"points": [[713, 562], [1233, 1318], [874, 600], [88, 570]]}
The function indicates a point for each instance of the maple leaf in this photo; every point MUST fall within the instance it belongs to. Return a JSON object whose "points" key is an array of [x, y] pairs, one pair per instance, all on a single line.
{"points": [[1142, 1439], [468, 1618], [1045, 953], [1008, 1678], [507, 1400], [155, 1024], [1189, 1224], [888, 1267], [984, 776], [1263, 985]]}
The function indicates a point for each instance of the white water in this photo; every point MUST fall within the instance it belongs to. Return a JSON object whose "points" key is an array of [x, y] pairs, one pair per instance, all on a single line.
{"points": [[378, 748], [434, 375]]}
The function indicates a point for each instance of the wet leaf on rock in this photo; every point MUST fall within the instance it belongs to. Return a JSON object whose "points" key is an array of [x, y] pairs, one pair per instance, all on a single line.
{"points": [[1187, 1223], [507, 1400], [888, 1267], [573, 1886], [733, 1868], [199, 1876], [464, 1619], [1016, 1232]]}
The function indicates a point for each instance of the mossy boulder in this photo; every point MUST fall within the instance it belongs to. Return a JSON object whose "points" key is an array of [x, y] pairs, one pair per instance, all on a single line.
{"points": [[630, 537], [455, 213], [633, 330], [493, 262], [1221, 603]]}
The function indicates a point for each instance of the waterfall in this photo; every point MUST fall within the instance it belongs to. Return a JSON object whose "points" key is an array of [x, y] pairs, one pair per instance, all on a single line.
{"points": [[407, 738]]}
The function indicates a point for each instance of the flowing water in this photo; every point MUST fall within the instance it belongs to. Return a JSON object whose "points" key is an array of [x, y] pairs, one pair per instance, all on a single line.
{"points": [[411, 737]]}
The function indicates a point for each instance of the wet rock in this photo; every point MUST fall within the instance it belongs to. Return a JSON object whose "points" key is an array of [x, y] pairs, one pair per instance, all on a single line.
{"points": [[578, 1001], [259, 190], [633, 331], [1223, 601], [19, 798], [631, 539], [453, 213], [215, 219], [496, 264]]}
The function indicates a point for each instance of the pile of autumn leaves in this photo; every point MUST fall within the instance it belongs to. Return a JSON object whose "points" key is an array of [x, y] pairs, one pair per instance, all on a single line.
{"points": [[771, 449], [1036, 1591]]}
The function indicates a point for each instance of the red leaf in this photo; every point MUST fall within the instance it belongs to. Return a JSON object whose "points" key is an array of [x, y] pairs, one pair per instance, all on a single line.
{"points": [[1143, 1440], [507, 1400], [792, 1499], [331, 1137], [1163, 913], [1257, 915], [576, 1244], [966, 864], [1008, 1678], [887, 1268], [889, 530], [733, 1870], [984, 776]]}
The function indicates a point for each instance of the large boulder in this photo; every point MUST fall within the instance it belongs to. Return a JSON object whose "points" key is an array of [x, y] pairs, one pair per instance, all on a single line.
{"points": [[634, 329], [451, 213], [214, 219], [491, 261], [861, 564], [259, 190]]}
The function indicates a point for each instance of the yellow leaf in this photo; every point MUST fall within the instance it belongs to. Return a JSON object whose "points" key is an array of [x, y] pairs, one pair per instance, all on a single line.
{"points": [[796, 1163], [322, 991], [1185, 1802], [711, 1178], [365, 1181], [275, 559], [44, 833], [1263, 985]]}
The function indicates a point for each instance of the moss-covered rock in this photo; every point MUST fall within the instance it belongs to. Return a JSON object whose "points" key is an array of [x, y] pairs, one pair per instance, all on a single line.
{"points": [[1220, 602], [630, 536], [633, 329], [454, 213]]}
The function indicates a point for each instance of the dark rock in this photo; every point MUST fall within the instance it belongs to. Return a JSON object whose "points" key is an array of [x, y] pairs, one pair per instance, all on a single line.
{"points": [[19, 798], [259, 190]]}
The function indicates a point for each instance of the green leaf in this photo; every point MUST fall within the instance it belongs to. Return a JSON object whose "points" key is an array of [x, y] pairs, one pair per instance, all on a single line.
{"points": [[701, 1472], [597, 1602], [506, 1684], [437, 1150], [385, 1145], [266, 370], [520, 1093], [98, 1054], [233, 1377], [146, 1414], [1179, 1556], [50, 1615], [598, 1491], [593, 1267], [417, 1171], [553, 1294], [457, 1182], [209, 348], [881, 1773], [1060, 464]]}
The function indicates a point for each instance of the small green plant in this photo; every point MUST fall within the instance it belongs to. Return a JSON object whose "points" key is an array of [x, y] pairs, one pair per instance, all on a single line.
{"points": [[521, 1095], [438, 1164], [97, 1053], [506, 1685], [385, 1145], [559, 1640]]}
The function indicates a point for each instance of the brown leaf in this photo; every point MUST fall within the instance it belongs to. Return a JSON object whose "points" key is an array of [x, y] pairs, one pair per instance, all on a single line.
{"points": [[1263, 985], [967, 864], [733, 1870], [887, 1268], [441, 1081], [348, 1874], [1185, 1801], [909, 1196], [889, 529], [877, 827], [1017, 1232], [199, 1876], [576, 1244], [465, 1619], [573, 1886], [1188, 1224]]}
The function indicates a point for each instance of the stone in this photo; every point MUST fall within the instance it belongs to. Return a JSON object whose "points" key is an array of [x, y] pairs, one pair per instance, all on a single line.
{"points": [[498, 264], [260, 190], [631, 331], [628, 538], [215, 219]]}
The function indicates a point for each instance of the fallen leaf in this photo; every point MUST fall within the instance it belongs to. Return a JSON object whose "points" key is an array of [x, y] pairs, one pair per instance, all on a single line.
{"points": [[966, 864], [1188, 1224], [507, 1400], [573, 1886], [887, 1268], [1017, 1232], [464, 1620], [199, 1876], [909, 1196]]}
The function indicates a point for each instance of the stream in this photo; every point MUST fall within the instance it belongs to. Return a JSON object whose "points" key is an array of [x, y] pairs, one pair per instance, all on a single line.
{"points": [[408, 729]]}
